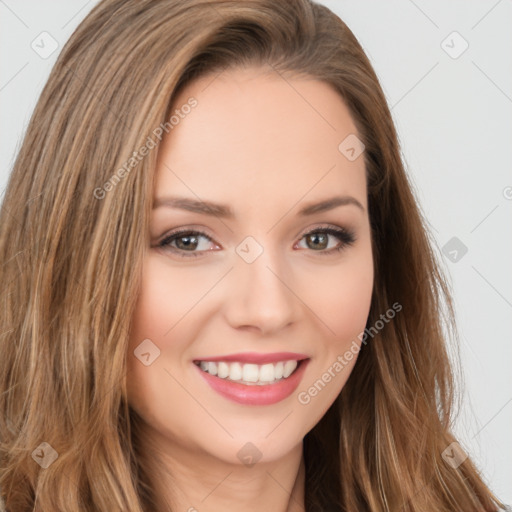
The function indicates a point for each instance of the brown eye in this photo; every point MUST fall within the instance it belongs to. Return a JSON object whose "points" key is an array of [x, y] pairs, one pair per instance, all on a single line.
{"points": [[318, 240], [185, 241]]}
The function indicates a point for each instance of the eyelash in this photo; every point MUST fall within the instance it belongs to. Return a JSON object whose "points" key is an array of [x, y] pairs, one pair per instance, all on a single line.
{"points": [[346, 237]]}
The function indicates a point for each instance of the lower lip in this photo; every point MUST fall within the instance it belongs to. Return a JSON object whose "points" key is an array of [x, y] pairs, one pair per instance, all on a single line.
{"points": [[256, 394]]}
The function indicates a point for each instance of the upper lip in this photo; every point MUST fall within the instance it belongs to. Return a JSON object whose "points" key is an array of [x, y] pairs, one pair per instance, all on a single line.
{"points": [[256, 358]]}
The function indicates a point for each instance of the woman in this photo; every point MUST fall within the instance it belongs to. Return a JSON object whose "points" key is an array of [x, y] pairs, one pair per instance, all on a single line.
{"points": [[219, 289]]}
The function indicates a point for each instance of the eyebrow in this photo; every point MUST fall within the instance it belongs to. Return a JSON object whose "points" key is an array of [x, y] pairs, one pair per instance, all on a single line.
{"points": [[224, 211]]}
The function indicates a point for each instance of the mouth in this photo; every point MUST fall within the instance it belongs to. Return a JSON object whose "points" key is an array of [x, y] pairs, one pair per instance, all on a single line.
{"points": [[250, 383], [251, 374]]}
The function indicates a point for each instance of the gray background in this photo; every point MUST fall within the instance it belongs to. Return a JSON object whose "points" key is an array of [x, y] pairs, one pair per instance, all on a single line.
{"points": [[454, 121]]}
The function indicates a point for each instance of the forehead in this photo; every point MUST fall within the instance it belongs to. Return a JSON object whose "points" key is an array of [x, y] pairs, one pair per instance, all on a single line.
{"points": [[255, 135]]}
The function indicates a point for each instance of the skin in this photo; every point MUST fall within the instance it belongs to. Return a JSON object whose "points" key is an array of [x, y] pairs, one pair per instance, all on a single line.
{"points": [[266, 147]]}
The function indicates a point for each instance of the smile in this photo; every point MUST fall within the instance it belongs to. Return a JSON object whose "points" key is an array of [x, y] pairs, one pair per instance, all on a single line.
{"points": [[250, 383], [248, 373]]}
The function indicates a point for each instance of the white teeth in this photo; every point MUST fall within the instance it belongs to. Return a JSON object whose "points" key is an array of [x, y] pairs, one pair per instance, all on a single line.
{"points": [[212, 368], [223, 370], [267, 373], [235, 371], [249, 373], [289, 366], [278, 370]]}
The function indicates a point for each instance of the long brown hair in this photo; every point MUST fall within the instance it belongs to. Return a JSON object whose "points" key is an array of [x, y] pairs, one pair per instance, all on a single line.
{"points": [[72, 235]]}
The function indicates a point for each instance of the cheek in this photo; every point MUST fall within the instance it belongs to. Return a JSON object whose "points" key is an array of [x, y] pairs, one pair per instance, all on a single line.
{"points": [[164, 299], [350, 303], [166, 314], [342, 301], [342, 295], [156, 312]]}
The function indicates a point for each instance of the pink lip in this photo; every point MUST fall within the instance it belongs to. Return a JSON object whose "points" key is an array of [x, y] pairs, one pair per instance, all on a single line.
{"points": [[255, 358], [256, 395]]}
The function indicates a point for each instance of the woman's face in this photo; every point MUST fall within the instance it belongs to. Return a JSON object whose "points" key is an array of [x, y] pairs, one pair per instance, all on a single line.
{"points": [[259, 285]]}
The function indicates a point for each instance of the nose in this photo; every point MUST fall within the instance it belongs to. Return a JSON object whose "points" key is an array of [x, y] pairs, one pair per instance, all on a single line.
{"points": [[261, 296]]}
